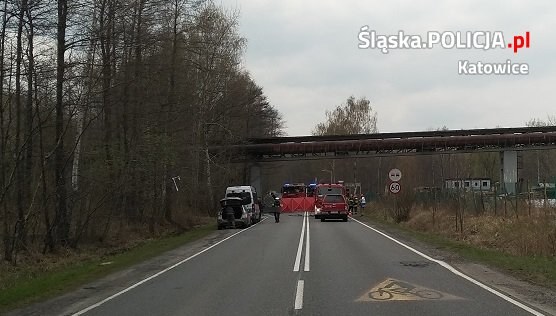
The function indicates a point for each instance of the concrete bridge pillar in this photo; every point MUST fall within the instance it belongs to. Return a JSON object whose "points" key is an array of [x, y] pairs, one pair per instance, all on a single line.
{"points": [[255, 177], [508, 171]]}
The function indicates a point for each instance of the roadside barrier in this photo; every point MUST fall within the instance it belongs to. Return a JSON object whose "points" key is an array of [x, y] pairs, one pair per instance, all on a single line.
{"points": [[300, 204]]}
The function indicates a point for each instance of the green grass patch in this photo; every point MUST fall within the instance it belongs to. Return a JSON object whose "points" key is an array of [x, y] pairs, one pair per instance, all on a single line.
{"points": [[28, 285]]}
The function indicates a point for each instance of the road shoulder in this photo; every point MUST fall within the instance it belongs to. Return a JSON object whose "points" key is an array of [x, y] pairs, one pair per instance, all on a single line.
{"points": [[539, 297], [98, 290]]}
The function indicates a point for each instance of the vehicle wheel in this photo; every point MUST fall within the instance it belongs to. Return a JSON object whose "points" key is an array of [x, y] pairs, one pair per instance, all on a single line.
{"points": [[345, 219], [219, 227], [322, 219]]}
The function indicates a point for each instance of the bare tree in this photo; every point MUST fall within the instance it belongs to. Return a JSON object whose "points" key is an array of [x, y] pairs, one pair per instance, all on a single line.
{"points": [[139, 91], [21, 188], [5, 120], [62, 220], [353, 117]]}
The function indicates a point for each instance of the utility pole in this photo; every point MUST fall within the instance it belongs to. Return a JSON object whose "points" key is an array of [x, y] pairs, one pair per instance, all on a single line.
{"points": [[355, 171], [333, 173], [538, 169]]}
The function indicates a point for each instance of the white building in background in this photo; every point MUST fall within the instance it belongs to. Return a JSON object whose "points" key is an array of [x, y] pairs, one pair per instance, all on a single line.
{"points": [[474, 184]]}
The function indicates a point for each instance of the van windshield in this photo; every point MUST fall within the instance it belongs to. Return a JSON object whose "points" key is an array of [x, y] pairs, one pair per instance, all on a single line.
{"points": [[245, 196]]}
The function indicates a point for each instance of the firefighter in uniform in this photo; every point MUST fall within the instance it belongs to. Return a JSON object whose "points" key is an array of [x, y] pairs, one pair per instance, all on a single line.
{"points": [[276, 206], [355, 203]]}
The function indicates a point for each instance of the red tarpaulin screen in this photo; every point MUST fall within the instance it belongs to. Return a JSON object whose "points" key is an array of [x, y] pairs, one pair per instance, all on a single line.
{"points": [[300, 204]]}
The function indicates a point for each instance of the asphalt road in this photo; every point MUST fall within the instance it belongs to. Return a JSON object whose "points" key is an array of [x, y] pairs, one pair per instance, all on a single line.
{"points": [[302, 266]]}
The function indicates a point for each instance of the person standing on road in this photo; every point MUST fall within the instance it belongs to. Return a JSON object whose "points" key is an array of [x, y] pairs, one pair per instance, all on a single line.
{"points": [[276, 206], [350, 203], [362, 201], [261, 209]]}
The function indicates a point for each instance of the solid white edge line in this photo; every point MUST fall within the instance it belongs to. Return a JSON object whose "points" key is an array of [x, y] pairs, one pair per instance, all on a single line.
{"points": [[458, 273], [307, 248], [299, 247], [299, 295], [83, 311]]}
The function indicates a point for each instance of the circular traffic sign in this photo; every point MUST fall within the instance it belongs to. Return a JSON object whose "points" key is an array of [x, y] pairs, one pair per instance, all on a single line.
{"points": [[394, 187], [395, 175]]}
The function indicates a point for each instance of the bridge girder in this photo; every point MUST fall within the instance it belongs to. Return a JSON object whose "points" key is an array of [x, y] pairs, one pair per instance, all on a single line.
{"points": [[413, 143]]}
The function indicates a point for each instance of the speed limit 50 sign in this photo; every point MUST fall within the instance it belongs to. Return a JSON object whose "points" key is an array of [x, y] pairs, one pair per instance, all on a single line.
{"points": [[394, 187]]}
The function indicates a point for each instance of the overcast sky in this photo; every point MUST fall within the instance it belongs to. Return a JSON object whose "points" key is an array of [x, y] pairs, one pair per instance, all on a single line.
{"points": [[305, 55]]}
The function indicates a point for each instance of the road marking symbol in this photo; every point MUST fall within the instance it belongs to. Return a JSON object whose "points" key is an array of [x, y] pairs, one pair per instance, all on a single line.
{"points": [[395, 290]]}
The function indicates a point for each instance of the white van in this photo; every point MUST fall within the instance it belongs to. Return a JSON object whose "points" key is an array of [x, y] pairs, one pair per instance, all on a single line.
{"points": [[250, 199]]}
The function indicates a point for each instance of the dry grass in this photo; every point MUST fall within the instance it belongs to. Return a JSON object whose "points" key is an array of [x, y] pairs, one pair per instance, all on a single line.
{"points": [[533, 235], [39, 276], [523, 245], [32, 262]]}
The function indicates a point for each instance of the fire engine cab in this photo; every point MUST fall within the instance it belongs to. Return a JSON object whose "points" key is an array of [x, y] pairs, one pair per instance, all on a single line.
{"points": [[322, 209]]}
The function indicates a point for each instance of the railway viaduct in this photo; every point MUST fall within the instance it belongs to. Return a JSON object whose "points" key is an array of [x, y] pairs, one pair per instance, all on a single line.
{"points": [[507, 141]]}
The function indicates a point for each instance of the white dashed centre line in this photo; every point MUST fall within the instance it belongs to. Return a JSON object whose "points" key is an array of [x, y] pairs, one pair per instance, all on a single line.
{"points": [[299, 295]]}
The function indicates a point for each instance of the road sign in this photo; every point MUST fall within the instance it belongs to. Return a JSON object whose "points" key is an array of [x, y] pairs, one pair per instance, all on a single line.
{"points": [[395, 175], [394, 187]]}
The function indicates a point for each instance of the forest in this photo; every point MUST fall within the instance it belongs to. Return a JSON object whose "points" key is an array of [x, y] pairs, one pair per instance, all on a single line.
{"points": [[107, 110]]}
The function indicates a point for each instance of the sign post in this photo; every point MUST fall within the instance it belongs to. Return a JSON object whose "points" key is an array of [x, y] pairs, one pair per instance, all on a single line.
{"points": [[395, 187]]}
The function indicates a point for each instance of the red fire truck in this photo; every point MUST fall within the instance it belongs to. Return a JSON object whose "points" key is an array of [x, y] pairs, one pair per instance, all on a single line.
{"points": [[323, 190], [295, 190]]}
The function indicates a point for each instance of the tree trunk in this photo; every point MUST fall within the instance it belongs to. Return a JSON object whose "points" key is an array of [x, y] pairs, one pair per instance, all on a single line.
{"points": [[21, 187], [209, 180], [62, 218], [130, 123], [28, 171], [168, 166], [3, 150], [49, 241], [105, 41]]}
